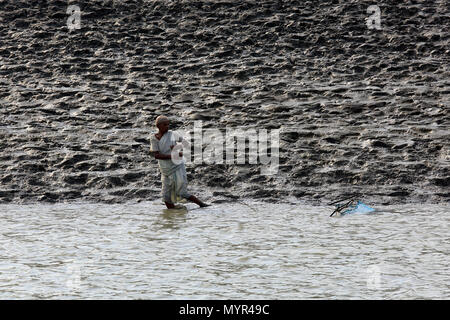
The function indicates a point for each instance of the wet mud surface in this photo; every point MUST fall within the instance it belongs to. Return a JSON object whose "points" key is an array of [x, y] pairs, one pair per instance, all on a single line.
{"points": [[359, 110]]}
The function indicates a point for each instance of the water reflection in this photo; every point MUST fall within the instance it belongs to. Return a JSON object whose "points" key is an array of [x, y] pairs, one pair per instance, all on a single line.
{"points": [[172, 218], [272, 251]]}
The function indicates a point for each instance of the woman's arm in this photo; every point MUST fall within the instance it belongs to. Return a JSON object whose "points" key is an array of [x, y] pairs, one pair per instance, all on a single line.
{"points": [[161, 156], [154, 150]]}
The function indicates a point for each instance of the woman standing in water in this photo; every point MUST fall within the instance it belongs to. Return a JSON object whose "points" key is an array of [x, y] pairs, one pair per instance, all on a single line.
{"points": [[173, 174]]}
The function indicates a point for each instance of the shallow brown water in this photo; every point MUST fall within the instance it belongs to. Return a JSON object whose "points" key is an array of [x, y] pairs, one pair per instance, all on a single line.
{"points": [[229, 251]]}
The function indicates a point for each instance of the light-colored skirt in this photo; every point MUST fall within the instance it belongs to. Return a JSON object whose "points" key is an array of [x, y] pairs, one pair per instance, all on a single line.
{"points": [[174, 185]]}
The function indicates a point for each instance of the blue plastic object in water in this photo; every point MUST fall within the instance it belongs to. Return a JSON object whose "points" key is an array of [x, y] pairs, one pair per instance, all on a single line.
{"points": [[359, 207]]}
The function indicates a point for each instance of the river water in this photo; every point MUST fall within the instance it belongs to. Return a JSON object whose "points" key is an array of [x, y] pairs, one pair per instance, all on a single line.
{"points": [[250, 250]]}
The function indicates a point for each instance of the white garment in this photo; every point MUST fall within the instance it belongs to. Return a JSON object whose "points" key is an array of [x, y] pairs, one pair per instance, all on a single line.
{"points": [[173, 175]]}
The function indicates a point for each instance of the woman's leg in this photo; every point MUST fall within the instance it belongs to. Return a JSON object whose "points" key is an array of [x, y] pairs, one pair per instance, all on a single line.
{"points": [[197, 201], [169, 205], [166, 190]]}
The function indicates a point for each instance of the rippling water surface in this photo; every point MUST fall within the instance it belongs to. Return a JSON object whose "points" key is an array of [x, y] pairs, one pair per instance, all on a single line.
{"points": [[228, 251]]}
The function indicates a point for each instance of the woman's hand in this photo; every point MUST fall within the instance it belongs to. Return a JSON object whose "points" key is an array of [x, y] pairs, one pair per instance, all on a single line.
{"points": [[178, 147]]}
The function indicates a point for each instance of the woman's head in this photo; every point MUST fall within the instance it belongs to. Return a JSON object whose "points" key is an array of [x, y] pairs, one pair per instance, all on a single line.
{"points": [[162, 123]]}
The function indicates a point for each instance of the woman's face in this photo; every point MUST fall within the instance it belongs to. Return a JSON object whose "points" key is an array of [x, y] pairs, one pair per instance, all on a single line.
{"points": [[163, 127]]}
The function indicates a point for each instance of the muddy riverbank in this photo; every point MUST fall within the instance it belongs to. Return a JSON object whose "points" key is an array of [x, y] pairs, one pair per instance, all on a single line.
{"points": [[359, 110]]}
